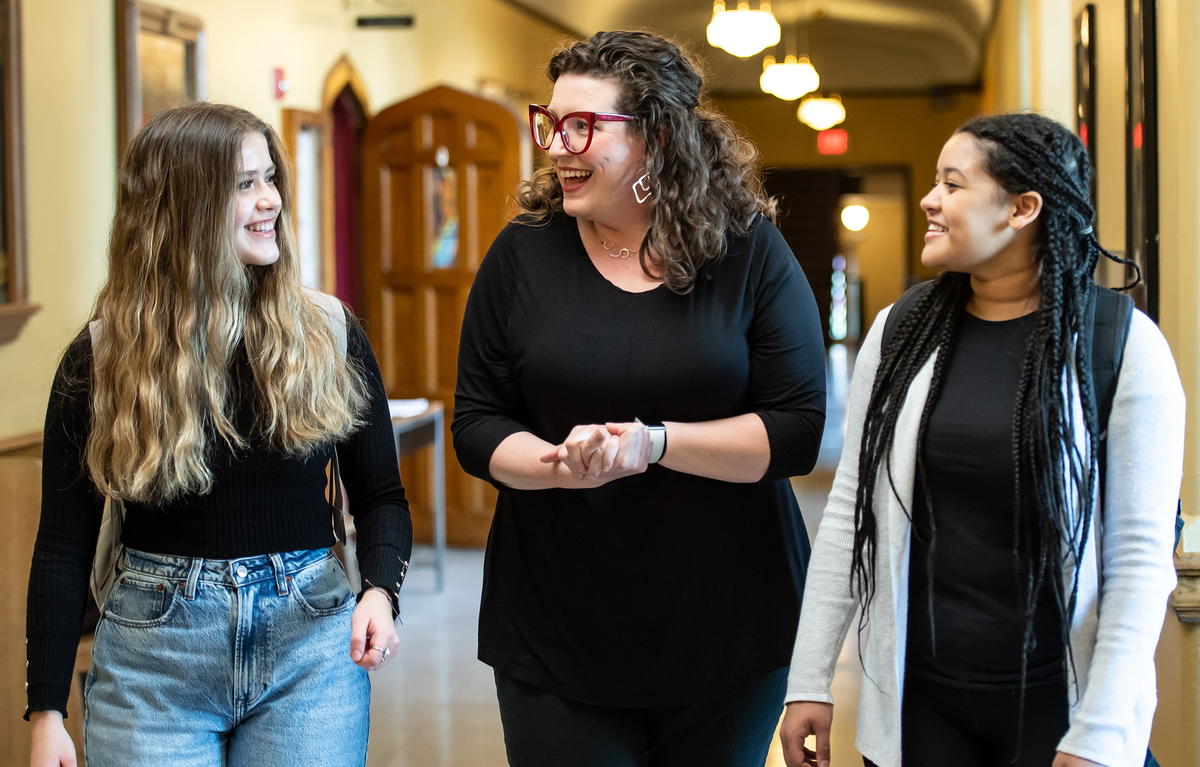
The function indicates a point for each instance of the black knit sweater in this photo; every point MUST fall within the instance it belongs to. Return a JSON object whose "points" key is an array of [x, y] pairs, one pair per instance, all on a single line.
{"points": [[261, 502]]}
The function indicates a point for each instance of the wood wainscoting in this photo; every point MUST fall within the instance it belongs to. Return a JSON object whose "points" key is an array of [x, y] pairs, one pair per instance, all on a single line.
{"points": [[21, 490]]}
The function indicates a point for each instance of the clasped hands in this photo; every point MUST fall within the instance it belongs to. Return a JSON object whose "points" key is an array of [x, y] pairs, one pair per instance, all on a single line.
{"points": [[599, 453]]}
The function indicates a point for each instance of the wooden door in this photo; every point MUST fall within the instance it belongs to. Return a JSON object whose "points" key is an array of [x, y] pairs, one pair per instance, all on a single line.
{"points": [[437, 173]]}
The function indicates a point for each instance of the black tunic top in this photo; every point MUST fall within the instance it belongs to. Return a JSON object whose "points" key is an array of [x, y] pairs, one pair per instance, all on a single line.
{"points": [[978, 609], [661, 588], [261, 502]]}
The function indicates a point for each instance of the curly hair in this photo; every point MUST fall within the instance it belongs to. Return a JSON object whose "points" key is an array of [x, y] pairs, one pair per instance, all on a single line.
{"points": [[1053, 484], [704, 173], [177, 304]]}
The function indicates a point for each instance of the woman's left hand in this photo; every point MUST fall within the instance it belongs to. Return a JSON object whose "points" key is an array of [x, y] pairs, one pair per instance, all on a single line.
{"points": [[373, 631], [1070, 760]]}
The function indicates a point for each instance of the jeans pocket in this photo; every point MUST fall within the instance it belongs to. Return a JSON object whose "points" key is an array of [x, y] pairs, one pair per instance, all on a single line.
{"points": [[323, 590], [141, 601]]}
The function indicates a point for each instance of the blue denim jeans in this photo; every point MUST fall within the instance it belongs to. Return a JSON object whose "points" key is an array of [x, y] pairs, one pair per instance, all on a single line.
{"points": [[226, 662]]}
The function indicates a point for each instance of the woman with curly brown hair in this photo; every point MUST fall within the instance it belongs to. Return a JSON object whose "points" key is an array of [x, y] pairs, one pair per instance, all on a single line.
{"points": [[208, 395], [641, 370]]}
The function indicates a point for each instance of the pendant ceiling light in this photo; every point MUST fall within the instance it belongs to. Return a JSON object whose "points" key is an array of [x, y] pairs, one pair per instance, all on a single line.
{"points": [[743, 32], [820, 113], [790, 79]]}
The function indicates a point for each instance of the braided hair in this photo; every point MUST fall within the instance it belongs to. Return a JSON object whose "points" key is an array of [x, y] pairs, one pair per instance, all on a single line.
{"points": [[1052, 485]]}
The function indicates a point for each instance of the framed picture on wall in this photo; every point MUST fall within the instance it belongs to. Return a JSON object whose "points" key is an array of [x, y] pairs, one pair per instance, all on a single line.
{"points": [[1141, 151], [1085, 88], [160, 57]]}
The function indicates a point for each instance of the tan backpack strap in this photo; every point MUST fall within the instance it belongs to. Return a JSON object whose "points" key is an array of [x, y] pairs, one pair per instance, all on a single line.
{"points": [[334, 312], [95, 332]]}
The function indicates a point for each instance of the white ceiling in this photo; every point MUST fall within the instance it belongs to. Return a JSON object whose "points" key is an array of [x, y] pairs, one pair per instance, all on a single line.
{"points": [[856, 45]]}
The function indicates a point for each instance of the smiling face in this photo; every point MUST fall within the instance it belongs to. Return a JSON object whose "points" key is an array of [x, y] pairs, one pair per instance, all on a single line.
{"points": [[256, 204], [972, 219], [597, 184]]}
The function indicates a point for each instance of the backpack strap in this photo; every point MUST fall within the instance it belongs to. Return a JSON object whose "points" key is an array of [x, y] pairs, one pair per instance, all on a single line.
{"points": [[335, 312], [900, 309], [1107, 319], [106, 559]]}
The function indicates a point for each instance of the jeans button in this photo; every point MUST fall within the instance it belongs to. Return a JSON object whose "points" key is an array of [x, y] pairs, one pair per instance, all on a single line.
{"points": [[242, 571]]}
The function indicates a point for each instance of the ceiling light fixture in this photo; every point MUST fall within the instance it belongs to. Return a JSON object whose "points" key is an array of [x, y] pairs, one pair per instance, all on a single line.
{"points": [[743, 32], [821, 113], [789, 79]]}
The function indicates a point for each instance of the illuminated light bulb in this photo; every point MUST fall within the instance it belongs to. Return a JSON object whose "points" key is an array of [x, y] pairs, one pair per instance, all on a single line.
{"points": [[790, 79], [742, 32], [820, 113]]}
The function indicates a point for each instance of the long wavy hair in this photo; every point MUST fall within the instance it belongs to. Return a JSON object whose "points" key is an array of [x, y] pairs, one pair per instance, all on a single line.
{"points": [[1053, 483], [703, 172], [179, 302]]}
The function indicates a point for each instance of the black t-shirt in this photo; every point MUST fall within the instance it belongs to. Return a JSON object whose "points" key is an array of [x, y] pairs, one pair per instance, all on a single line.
{"points": [[661, 588], [978, 607], [261, 502]]}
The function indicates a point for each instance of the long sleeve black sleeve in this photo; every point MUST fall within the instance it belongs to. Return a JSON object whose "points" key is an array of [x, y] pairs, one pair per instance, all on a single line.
{"points": [[262, 501]]}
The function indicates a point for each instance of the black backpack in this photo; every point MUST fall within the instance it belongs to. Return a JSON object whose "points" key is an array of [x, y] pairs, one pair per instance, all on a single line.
{"points": [[1108, 316]]}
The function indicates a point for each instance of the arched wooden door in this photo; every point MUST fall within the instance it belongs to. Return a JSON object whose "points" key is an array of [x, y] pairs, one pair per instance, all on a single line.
{"points": [[437, 173]]}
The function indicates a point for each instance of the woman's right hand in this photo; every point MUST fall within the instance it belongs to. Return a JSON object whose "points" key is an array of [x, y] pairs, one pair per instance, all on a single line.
{"points": [[52, 746], [801, 719]]}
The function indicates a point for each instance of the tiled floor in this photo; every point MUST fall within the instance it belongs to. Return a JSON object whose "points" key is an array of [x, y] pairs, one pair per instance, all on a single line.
{"points": [[434, 705]]}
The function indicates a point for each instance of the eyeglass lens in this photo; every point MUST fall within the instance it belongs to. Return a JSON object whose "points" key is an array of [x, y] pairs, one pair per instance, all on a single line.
{"points": [[576, 131]]}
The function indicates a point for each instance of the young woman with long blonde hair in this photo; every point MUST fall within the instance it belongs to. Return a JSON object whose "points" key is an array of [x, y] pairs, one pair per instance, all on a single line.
{"points": [[208, 396]]}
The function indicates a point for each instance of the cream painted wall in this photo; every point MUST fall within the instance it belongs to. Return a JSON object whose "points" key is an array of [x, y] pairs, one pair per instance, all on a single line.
{"points": [[70, 115], [1030, 58], [69, 140], [1002, 64], [453, 42]]}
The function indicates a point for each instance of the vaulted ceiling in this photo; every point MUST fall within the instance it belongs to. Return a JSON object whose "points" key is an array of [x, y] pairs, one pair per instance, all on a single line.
{"points": [[858, 46]]}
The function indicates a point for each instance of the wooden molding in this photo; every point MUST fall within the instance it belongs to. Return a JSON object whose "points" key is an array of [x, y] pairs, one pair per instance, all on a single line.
{"points": [[343, 75], [294, 121], [1186, 599], [21, 444], [15, 308], [13, 318]]}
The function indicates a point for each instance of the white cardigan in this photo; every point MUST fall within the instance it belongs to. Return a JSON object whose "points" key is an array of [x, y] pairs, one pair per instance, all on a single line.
{"points": [[1115, 629]]}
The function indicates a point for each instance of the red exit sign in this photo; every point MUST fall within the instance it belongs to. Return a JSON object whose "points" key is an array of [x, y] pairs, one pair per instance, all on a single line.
{"points": [[833, 141]]}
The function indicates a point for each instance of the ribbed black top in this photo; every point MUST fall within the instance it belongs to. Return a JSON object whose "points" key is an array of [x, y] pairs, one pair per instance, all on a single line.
{"points": [[261, 502]]}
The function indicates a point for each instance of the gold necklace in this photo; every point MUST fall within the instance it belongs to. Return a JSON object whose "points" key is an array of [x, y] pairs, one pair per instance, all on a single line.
{"points": [[608, 245]]}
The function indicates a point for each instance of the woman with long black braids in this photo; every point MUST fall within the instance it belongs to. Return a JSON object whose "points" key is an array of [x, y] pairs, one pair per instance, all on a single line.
{"points": [[972, 525]]}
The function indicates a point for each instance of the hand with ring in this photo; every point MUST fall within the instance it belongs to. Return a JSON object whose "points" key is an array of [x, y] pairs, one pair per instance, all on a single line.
{"points": [[384, 653], [373, 636]]}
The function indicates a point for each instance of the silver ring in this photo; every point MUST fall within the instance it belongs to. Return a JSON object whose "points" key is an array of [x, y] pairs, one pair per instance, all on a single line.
{"points": [[387, 652]]}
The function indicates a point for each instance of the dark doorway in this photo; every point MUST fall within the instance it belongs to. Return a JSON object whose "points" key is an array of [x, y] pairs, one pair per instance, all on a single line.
{"points": [[349, 120], [808, 220]]}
